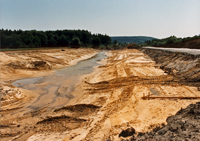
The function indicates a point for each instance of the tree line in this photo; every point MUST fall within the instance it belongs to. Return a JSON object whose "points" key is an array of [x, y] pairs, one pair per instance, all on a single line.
{"points": [[58, 38], [169, 40]]}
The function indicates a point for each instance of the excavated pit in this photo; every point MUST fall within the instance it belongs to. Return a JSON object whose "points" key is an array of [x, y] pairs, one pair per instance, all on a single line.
{"points": [[111, 104], [59, 124]]}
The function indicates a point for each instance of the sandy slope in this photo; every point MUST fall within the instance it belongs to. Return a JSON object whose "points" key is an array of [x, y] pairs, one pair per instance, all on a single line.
{"points": [[184, 125], [34, 63], [108, 101], [181, 63], [31, 63]]}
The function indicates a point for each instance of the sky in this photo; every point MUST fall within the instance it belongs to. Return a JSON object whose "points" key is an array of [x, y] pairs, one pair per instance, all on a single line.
{"points": [[155, 18]]}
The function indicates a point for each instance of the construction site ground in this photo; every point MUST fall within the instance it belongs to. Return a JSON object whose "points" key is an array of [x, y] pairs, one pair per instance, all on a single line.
{"points": [[105, 102]]}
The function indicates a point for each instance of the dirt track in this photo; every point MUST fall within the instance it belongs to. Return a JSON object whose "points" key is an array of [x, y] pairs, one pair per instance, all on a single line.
{"points": [[110, 101]]}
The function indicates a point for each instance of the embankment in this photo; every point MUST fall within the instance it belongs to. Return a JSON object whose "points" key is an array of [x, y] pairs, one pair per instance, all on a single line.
{"points": [[185, 124], [183, 64]]}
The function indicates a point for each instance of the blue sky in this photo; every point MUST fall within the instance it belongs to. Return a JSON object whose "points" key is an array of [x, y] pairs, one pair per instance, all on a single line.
{"points": [[156, 18]]}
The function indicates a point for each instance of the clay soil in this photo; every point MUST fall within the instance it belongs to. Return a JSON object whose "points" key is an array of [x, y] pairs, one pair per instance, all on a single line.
{"points": [[105, 102]]}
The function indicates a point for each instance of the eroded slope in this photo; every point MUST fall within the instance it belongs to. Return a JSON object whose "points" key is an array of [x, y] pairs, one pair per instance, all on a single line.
{"points": [[182, 63]]}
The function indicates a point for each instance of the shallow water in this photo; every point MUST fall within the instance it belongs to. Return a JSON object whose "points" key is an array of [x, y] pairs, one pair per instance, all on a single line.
{"points": [[82, 67], [56, 90]]}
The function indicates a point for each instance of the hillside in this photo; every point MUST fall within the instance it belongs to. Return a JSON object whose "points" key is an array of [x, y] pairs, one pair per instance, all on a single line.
{"points": [[131, 39], [193, 43], [174, 42]]}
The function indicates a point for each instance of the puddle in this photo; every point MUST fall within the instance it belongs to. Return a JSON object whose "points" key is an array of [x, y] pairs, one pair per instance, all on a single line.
{"points": [[56, 90], [23, 82], [82, 67]]}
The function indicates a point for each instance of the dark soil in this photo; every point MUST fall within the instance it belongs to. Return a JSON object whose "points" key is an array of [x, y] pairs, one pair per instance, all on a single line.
{"points": [[185, 125], [128, 132]]}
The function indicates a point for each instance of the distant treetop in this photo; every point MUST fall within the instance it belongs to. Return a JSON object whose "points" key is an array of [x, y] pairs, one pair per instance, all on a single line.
{"points": [[131, 39]]}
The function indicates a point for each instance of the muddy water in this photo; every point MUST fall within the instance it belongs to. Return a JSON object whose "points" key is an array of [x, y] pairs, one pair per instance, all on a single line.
{"points": [[56, 90]]}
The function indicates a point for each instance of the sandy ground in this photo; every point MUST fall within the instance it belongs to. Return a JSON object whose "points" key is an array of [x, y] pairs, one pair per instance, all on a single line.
{"points": [[34, 63], [25, 64], [184, 125], [106, 102]]}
